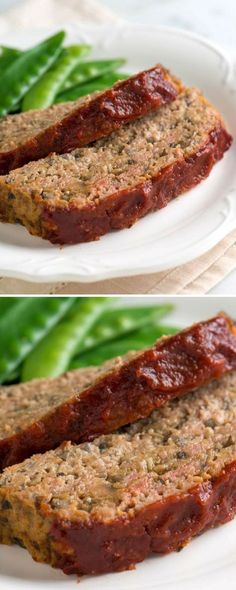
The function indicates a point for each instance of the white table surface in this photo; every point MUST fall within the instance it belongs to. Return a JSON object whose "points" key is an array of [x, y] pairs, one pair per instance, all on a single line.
{"points": [[214, 19]]}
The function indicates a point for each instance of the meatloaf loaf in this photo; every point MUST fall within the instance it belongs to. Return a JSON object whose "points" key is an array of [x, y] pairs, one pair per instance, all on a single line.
{"points": [[105, 505], [61, 128], [110, 184], [37, 416]]}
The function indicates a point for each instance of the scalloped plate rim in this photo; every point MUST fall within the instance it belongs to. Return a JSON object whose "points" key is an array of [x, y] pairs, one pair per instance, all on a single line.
{"points": [[42, 270]]}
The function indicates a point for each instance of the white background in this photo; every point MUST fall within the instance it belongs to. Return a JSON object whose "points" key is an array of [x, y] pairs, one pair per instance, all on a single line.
{"points": [[214, 19]]}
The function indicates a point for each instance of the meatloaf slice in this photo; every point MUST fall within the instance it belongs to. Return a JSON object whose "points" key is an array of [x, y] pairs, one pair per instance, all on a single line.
{"points": [[61, 128], [110, 184], [105, 505], [81, 405]]}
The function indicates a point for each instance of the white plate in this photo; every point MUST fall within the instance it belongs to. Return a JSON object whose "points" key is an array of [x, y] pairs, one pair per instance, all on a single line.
{"points": [[208, 562], [191, 224]]}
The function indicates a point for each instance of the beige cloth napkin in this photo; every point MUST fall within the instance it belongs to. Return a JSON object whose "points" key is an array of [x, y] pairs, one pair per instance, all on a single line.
{"points": [[193, 278], [196, 277]]}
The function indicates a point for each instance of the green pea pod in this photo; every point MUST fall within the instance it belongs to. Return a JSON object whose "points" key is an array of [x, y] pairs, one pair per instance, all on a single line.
{"points": [[23, 325], [43, 93], [7, 56], [115, 323], [138, 340], [54, 353], [89, 70], [84, 89], [12, 377], [26, 70], [7, 303]]}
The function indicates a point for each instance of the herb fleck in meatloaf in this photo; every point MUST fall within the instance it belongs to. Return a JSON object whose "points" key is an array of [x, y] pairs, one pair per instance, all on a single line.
{"points": [[110, 184], [104, 506], [61, 128], [79, 406]]}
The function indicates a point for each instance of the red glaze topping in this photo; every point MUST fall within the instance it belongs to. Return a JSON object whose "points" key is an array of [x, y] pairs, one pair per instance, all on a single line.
{"points": [[95, 547], [124, 102], [171, 368], [124, 208]]}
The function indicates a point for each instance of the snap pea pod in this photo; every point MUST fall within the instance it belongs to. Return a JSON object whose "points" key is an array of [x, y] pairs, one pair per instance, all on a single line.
{"points": [[138, 340], [23, 326], [43, 93], [7, 56], [12, 377], [26, 70], [89, 70], [84, 89], [53, 354], [7, 303], [115, 323]]}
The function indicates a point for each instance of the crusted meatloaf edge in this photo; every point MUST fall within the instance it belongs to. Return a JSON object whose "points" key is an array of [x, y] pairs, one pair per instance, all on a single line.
{"points": [[94, 547], [122, 209], [174, 366], [103, 114]]}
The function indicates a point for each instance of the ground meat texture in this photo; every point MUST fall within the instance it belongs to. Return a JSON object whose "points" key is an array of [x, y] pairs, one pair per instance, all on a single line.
{"points": [[110, 184], [23, 404], [61, 128], [81, 405], [105, 505]]}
